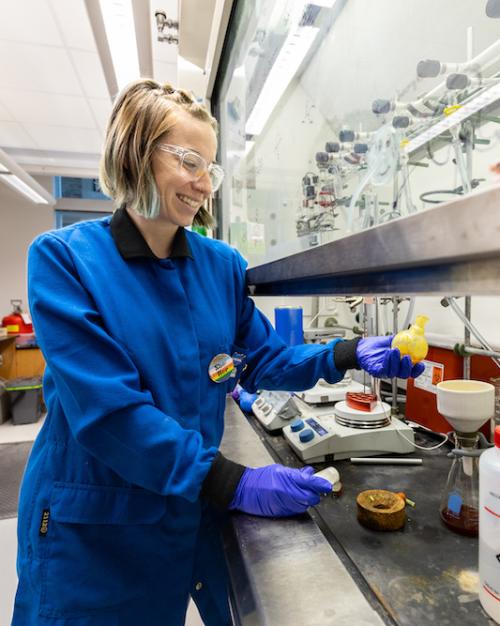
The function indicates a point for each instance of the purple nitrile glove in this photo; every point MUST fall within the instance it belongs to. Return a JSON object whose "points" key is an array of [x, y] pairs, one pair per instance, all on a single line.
{"points": [[278, 491], [246, 400], [376, 357], [235, 393]]}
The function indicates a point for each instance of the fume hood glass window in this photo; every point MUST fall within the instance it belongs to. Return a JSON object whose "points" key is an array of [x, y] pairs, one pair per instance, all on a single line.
{"points": [[66, 218], [83, 188], [338, 115]]}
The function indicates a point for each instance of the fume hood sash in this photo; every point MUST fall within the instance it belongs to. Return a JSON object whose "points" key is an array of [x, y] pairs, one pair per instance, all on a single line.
{"points": [[451, 249]]}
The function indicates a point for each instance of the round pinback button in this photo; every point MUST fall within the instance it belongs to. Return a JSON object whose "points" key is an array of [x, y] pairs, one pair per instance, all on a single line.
{"points": [[221, 368]]}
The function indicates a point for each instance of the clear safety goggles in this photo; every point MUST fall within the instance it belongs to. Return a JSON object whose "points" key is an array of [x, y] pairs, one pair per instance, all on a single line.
{"points": [[195, 165]]}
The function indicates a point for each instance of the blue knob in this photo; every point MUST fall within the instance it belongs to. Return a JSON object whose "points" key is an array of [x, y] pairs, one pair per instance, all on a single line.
{"points": [[296, 425], [306, 435]]}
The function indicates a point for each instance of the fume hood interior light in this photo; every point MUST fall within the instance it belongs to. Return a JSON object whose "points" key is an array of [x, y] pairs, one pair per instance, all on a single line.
{"points": [[290, 57], [23, 188], [118, 18], [475, 105]]}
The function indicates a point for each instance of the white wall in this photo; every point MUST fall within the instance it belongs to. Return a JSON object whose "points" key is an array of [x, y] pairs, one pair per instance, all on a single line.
{"points": [[20, 222]]}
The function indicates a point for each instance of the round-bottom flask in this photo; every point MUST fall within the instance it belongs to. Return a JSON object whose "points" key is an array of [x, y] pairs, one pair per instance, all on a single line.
{"points": [[459, 508]]}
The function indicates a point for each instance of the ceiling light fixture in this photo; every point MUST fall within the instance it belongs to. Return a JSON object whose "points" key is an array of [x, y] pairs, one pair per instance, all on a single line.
{"points": [[291, 55], [14, 176], [118, 18], [22, 187]]}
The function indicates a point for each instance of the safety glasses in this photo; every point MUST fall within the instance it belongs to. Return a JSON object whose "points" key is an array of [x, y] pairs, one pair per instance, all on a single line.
{"points": [[195, 165]]}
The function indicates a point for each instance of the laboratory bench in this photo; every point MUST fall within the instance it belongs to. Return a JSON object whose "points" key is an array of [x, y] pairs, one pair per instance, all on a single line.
{"points": [[325, 568], [20, 357]]}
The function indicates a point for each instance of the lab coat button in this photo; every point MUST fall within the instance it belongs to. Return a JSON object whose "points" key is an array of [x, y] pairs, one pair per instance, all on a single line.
{"points": [[198, 586]]}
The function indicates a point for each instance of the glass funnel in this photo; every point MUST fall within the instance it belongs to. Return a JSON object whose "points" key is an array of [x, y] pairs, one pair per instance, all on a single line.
{"points": [[460, 501]]}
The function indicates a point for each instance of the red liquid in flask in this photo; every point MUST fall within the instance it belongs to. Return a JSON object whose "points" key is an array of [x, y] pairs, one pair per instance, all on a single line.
{"points": [[465, 523]]}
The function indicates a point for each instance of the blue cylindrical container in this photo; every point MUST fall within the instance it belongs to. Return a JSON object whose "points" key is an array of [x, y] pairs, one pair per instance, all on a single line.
{"points": [[288, 324]]}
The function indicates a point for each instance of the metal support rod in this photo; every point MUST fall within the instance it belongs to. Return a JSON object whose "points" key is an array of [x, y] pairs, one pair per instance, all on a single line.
{"points": [[394, 407], [467, 337], [474, 331], [314, 312], [462, 349]]}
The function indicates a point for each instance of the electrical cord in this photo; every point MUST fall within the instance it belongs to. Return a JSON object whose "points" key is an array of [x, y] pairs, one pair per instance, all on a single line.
{"points": [[415, 445], [320, 312], [431, 156], [406, 180], [425, 197]]}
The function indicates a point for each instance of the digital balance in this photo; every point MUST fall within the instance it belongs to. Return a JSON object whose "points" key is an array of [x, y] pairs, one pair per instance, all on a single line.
{"points": [[276, 409], [346, 432]]}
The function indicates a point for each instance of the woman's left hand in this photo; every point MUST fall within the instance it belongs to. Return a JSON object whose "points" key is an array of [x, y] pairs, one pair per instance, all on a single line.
{"points": [[376, 357]]}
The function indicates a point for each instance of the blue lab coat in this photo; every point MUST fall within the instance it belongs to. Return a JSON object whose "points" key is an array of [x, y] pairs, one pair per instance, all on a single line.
{"points": [[112, 529]]}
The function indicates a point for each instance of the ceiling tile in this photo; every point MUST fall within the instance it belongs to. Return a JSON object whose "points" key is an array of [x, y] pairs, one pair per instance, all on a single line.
{"points": [[4, 114], [29, 21], [102, 110], [74, 22], [90, 72], [38, 68], [66, 139], [13, 135], [45, 108]]}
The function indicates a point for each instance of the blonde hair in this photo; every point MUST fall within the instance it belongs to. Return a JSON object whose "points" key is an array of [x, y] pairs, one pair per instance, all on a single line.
{"points": [[142, 113]]}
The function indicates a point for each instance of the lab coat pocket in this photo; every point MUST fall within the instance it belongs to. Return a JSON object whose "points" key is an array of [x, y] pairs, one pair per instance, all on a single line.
{"points": [[97, 540]]}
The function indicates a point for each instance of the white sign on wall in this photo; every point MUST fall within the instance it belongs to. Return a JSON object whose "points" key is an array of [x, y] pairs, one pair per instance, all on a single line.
{"points": [[432, 375]]}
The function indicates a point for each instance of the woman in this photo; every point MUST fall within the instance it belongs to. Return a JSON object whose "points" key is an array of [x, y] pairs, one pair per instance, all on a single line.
{"points": [[137, 319]]}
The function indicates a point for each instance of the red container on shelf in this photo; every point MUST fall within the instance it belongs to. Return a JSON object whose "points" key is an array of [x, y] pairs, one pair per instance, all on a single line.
{"points": [[17, 323]]}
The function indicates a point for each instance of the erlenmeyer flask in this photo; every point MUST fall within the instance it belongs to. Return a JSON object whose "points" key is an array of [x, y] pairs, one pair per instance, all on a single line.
{"points": [[460, 502]]}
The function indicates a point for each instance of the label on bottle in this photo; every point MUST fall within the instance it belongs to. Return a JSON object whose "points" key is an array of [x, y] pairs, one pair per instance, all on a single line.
{"points": [[489, 570], [491, 504]]}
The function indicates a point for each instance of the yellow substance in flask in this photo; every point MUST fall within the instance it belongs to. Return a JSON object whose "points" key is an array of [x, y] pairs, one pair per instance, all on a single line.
{"points": [[412, 341]]}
